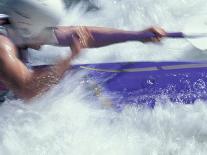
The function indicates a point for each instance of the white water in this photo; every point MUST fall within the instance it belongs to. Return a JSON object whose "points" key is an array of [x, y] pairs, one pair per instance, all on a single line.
{"points": [[65, 121]]}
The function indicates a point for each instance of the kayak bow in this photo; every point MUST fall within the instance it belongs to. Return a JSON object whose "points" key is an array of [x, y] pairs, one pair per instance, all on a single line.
{"points": [[142, 83]]}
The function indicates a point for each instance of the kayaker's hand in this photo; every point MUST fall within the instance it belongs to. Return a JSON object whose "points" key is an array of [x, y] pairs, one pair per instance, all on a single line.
{"points": [[75, 46], [85, 37], [82, 38], [159, 33]]}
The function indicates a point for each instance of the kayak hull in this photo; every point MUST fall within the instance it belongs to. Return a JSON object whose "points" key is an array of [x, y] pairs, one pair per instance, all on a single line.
{"points": [[143, 83]]}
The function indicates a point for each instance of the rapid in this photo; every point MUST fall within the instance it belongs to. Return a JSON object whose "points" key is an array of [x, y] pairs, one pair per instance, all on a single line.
{"points": [[68, 120]]}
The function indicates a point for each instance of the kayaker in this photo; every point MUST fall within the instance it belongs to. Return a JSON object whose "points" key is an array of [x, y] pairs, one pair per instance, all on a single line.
{"points": [[31, 24]]}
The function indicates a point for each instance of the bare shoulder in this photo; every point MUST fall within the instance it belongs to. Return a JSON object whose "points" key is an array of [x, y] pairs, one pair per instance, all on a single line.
{"points": [[6, 46], [4, 39]]}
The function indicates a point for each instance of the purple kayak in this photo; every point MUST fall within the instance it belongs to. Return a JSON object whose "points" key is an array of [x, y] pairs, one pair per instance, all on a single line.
{"points": [[142, 83]]}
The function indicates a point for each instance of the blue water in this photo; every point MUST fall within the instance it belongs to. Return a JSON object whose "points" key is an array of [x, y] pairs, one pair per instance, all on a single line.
{"points": [[67, 120]]}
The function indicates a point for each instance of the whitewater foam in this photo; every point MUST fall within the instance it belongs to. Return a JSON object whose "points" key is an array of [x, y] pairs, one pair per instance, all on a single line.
{"points": [[67, 119]]}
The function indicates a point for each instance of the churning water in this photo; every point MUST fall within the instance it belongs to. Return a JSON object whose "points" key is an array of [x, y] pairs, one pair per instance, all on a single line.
{"points": [[68, 121]]}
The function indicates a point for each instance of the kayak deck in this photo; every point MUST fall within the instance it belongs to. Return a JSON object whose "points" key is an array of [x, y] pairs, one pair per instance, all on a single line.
{"points": [[142, 83]]}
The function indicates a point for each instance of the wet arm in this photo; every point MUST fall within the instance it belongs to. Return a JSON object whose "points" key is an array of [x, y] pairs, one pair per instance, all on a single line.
{"points": [[23, 82], [90, 37]]}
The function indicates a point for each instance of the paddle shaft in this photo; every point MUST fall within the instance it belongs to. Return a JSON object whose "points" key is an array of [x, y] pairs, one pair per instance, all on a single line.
{"points": [[148, 35]]}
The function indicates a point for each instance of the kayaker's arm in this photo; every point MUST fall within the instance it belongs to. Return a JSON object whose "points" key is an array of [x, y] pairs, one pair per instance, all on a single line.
{"points": [[27, 83], [90, 37]]}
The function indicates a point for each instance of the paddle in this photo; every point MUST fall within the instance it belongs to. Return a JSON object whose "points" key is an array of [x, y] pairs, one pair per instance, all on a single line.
{"points": [[198, 40], [194, 30]]}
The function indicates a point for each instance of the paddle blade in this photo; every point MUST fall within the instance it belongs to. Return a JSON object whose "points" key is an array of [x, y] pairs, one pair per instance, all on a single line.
{"points": [[200, 43], [197, 25]]}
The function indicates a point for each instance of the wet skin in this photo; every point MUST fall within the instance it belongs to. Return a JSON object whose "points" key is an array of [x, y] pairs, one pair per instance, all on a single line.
{"points": [[26, 83]]}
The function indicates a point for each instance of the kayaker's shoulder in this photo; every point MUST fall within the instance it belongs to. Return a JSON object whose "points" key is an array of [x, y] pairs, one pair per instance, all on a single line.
{"points": [[4, 39], [6, 44]]}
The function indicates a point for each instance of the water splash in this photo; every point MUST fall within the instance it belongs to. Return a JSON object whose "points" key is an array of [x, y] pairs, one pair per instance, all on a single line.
{"points": [[68, 120]]}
